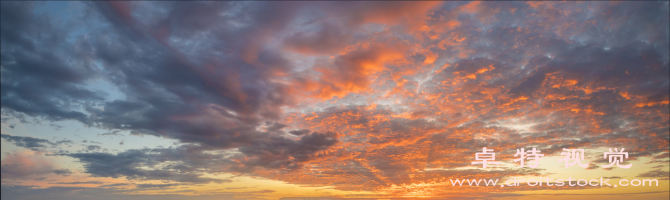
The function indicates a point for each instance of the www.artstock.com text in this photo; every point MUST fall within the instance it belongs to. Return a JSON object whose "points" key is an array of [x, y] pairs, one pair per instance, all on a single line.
{"points": [[553, 182]]}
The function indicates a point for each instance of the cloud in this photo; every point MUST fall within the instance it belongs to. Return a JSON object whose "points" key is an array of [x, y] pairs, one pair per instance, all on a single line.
{"points": [[156, 186], [285, 153], [32, 143], [37, 79], [81, 193], [145, 164], [27, 142], [81, 182], [64, 172], [350, 72], [93, 147], [300, 132], [655, 174], [329, 39], [24, 165]]}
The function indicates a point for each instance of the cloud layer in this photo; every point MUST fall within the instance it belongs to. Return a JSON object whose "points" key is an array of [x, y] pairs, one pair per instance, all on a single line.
{"points": [[372, 96]]}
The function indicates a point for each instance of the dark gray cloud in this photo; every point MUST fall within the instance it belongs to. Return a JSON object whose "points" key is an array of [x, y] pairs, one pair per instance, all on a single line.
{"points": [[155, 186], [167, 89], [42, 76], [64, 172], [115, 185], [81, 182], [39, 83], [33, 143], [285, 153], [83, 193], [145, 164], [188, 163], [93, 147], [27, 142], [300, 132]]}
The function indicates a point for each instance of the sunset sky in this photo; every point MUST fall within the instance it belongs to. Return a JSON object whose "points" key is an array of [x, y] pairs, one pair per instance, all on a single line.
{"points": [[378, 100]]}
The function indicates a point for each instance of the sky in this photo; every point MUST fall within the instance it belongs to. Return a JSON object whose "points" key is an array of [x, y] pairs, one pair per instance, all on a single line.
{"points": [[332, 100]]}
